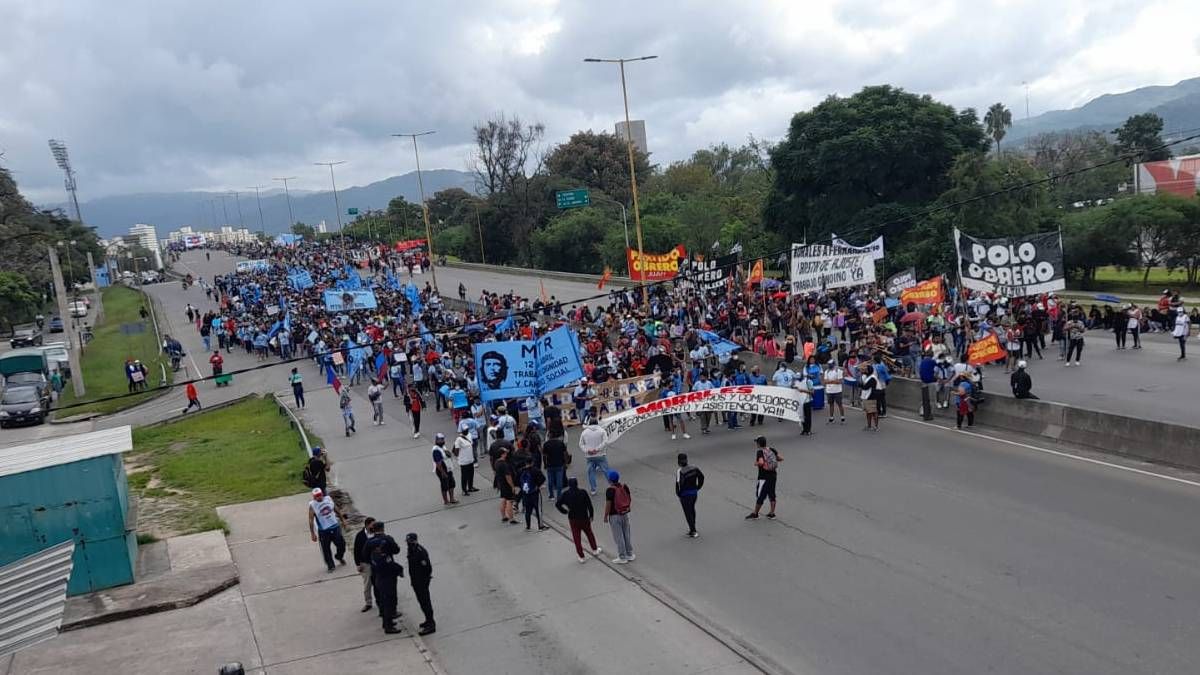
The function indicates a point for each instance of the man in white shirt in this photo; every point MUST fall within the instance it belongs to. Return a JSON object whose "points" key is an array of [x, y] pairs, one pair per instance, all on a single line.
{"points": [[326, 517], [375, 396], [834, 374], [508, 425], [591, 443], [464, 449]]}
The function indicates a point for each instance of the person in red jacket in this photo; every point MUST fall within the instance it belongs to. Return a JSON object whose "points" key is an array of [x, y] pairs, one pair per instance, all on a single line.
{"points": [[193, 398], [217, 361], [415, 404]]}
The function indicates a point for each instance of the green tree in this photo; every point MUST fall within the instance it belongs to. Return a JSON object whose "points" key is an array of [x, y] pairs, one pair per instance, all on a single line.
{"points": [[404, 219], [1151, 219], [17, 299], [1092, 238], [1067, 154], [1142, 135], [599, 161], [572, 241], [881, 145], [997, 120], [1183, 237], [306, 231]]}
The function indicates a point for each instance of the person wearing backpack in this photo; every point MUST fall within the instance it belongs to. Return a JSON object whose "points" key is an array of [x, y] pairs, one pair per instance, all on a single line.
{"points": [[532, 480], [688, 481], [767, 460], [617, 504], [316, 472]]}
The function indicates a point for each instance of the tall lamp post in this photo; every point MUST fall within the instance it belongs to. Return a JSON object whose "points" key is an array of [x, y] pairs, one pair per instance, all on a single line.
{"points": [[238, 200], [262, 225], [637, 216], [337, 206], [424, 206], [288, 196]]}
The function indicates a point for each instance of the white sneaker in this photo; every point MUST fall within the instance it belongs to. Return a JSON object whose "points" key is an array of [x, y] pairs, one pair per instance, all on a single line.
{"points": [[1076, 364], [582, 560], [620, 561], [598, 551], [672, 436], [417, 435], [687, 436], [1067, 364], [631, 557]]}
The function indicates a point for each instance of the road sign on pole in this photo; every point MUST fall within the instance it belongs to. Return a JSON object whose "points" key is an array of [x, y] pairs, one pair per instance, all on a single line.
{"points": [[352, 211], [570, 199]]}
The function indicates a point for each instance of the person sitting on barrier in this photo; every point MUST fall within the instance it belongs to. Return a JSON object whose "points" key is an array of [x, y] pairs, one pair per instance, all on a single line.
{"points": [[1021, 383]]}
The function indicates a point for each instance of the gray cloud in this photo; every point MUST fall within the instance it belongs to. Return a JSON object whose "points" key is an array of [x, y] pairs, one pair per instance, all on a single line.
{"points": [[175, 95]]}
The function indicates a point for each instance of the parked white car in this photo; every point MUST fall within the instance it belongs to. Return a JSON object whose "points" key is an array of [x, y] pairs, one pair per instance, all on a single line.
{"points": [[78, 309]]}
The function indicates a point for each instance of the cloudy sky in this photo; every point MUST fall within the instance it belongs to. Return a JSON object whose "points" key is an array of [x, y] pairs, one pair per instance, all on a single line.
{"points": [[172, 95]]}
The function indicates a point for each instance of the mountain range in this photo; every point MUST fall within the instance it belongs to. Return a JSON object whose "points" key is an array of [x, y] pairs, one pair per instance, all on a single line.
{"points": [[1178, 105], [169, 210]]}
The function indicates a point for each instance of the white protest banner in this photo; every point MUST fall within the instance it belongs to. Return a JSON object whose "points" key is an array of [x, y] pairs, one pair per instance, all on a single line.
{"points": [[1012, 266], [875, 248], [817, 266], [771, 401]]}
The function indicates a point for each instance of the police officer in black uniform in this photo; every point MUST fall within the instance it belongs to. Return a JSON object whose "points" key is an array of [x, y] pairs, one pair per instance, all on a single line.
{"points": [[420, 573], [385, 572]]}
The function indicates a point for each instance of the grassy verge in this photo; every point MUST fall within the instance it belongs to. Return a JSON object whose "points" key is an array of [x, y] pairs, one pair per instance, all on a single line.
{"points": [[183, 470], [1117, 280], [104, 357]]}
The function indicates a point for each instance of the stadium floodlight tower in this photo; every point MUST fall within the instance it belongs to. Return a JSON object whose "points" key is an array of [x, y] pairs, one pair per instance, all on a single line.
{"points": [[59, 150]]}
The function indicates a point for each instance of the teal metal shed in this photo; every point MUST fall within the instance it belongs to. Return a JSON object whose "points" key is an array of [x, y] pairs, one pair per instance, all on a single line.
{"points": [[71, 488]]}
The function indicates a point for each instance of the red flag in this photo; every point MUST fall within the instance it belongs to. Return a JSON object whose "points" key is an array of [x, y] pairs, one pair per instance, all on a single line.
{"points": [[543, 287], [756, 273], [604, 278], [337, 385], [985, 351]]}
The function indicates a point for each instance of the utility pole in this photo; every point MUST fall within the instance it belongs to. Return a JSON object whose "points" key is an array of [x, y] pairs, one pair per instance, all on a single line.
{"points": [[479, 226], [288, 196], [96, 286], [262, 225], [73, 346], [237, 200], [637, 216], [337, 206], [223, 209], [424, 206]]}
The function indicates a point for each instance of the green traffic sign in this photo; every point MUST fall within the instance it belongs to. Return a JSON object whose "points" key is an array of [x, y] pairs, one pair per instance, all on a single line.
{"points": [[352, 211], [569, 199]]}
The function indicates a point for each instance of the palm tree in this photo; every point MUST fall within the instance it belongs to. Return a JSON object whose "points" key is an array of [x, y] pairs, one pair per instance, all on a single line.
{"points": [[997, 120]]}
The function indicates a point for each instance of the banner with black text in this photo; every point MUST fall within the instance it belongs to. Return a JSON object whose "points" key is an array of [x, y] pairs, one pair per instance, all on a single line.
{"points": [[781, 402], [1012, 266], [817, 266]]}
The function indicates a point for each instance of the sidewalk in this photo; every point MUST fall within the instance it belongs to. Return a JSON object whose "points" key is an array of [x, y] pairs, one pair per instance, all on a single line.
{"points": [[506, 601]]}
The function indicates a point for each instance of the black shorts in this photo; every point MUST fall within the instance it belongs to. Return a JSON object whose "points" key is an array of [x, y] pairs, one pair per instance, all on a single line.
{"points": [[446, 481], [764, 490], [507, 493]]}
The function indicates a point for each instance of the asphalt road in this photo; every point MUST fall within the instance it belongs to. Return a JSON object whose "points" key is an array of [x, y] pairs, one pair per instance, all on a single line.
{"points": [[914, 550]]}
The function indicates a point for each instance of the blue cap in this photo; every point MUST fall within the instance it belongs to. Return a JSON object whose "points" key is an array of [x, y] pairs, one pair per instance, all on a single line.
{"points": [[613, 476], [316, 451]]}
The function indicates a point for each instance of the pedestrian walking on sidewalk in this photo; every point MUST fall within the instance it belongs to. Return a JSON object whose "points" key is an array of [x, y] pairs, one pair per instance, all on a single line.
{"points": [[688, 481], [297, 382], [441, 469], [767, 460], [577, 506], [362, 561], [618, 502], [193, 398], [385, 573], [591, 443], [504, 483], [345, 403], [327, 519], [420, 573], [375, 396]]}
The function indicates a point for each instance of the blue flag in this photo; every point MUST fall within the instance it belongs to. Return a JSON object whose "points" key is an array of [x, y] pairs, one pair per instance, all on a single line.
{"points": [[507, 324], [414, 296], [719, 344]]}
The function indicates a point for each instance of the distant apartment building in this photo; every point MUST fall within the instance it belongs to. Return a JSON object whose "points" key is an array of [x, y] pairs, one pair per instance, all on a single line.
{"points": [[147, 236], [638, 127], [321, 227]]}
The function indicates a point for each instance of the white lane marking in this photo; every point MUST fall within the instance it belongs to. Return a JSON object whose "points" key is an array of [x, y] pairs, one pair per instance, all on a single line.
{"points": [[1054, 452]]}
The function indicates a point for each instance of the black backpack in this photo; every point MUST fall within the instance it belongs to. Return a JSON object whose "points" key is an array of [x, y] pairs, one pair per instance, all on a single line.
{"points": [[313, 476]]}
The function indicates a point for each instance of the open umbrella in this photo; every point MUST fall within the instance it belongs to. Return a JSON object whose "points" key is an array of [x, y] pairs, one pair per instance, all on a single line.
{"points": [[1105, 297], [779, 295], [910, 317]]}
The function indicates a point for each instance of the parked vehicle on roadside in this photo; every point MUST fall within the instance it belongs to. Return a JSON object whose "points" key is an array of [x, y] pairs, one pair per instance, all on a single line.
{"points": [[22, 405], [26, 337]]}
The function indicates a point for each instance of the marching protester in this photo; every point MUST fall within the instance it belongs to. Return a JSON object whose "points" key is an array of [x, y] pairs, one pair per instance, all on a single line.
{"points": [[346, 405], [325, 527], [834, 376], [193, 397], [441, 469], [689, 480], [767, 460], [869, 392], [618, 502], [464, 451], [297, 382], [375, 397], [591, 444], [576, 505]]}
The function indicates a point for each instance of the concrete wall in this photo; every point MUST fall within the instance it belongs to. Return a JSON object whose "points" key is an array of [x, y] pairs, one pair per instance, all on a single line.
{"points": [[1152, 441], [545, 274]]}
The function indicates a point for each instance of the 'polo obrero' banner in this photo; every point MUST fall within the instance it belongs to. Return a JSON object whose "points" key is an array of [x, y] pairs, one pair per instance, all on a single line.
{"points": [[713, 274], [771, 401], [899, 281], [654, 266], [928, 292], [1012, 266], [985, 351], [520, 368], [346, 301], [817, 266]]}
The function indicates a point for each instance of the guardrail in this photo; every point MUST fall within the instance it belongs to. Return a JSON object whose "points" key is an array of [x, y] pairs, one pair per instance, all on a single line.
{"points": [[295, 423], [546, 274]]}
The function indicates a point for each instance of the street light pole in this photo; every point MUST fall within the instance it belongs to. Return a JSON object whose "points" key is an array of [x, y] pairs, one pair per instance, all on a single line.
{"points": [[262, 225], [424, 206], [637, 216], [224, 210], [479, 227], [237, 200], [337, 206], [288, 196]]}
